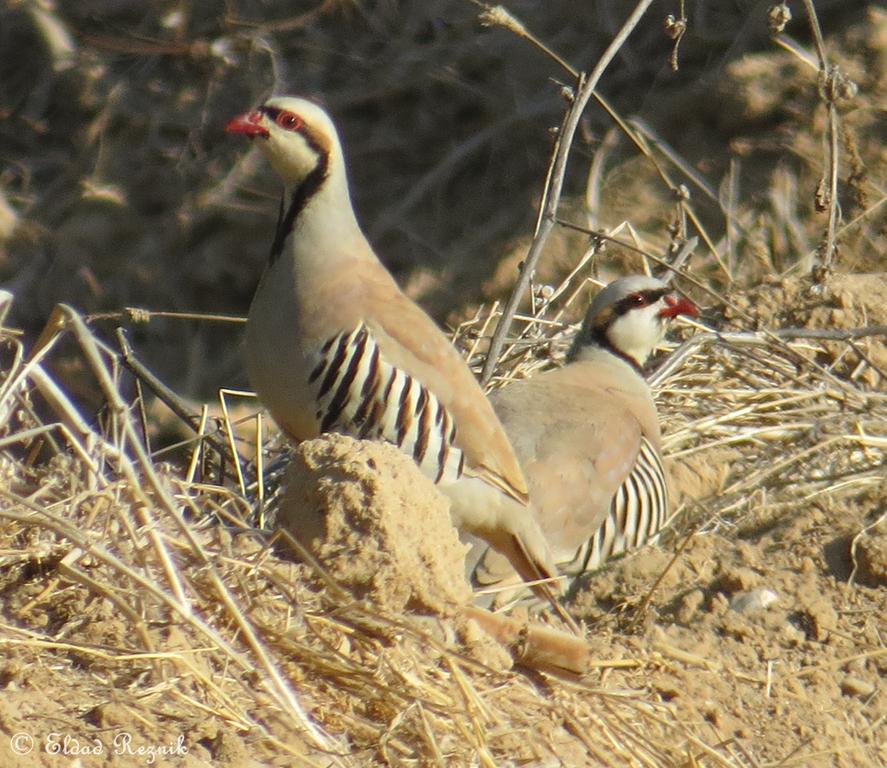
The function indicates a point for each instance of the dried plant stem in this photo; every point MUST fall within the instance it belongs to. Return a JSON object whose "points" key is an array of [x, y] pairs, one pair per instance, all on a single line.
{"points": [[175, 403], [141, 315], [831, 82], [66, 319], [554, 184]]}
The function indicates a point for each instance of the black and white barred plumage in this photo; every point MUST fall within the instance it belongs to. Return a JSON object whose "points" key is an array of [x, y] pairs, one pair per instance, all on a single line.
{"points": [[359, 394], [638, 512]]}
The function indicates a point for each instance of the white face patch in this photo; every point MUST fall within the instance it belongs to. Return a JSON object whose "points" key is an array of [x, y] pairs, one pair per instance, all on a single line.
{"points": [[290, 155], [638, 331], [300, 137]]}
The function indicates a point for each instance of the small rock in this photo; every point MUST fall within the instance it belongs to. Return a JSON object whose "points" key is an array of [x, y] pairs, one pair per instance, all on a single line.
{"points": [[871, 559], [719, 604], [792, 636], [818, 616], [753, 600], [853, 686]]}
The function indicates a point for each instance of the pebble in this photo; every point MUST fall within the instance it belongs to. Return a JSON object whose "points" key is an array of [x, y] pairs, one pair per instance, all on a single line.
{"points": [[753, 600], [871, 558], [853, 686]]}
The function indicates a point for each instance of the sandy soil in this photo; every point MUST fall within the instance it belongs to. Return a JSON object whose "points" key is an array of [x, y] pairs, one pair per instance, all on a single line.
{"points": [[774, 648]]}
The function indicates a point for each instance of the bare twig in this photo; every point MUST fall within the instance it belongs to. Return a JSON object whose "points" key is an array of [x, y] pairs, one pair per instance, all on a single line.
{"points": [[676, 28], [141, 315], [554, 183], [172, 400], [833, 86]]}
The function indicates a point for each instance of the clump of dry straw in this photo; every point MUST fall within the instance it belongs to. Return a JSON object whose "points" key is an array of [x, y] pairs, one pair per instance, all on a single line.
{"points": [[206, 622]]}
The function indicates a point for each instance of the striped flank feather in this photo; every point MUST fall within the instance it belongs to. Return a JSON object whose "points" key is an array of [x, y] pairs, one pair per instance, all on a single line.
{"points": [[638, 512], [357, 393]]}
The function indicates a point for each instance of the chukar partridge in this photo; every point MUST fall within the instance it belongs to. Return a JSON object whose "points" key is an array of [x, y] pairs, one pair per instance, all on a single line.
{"points": [[332, 344], [588, 434]]}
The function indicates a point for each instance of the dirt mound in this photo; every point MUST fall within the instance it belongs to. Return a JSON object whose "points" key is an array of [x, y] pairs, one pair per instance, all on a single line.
{"points": [[376, 523]]}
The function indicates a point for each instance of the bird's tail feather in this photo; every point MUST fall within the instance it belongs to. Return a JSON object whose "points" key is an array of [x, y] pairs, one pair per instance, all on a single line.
{"points": [[534, 566]]}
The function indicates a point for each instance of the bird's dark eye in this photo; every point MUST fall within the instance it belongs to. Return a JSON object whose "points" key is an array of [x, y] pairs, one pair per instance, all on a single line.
{"points": [[637, 300], [288, 120]]}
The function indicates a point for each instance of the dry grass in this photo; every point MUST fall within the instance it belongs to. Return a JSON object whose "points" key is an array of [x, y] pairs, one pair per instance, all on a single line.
{"points": [[259, 642]]}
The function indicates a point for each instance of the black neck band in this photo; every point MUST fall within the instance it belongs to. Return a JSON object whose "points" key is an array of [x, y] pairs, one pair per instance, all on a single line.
{"points": [[300, 198], [303, 193], [599, 338]]}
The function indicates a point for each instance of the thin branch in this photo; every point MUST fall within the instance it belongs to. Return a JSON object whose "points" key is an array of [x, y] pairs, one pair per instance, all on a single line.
{"points": [[683, 254], [140, 315], [501, 17], [555, 181], [832, 334], [831, 82], [172, 401], [817, 33], [739, 338]]}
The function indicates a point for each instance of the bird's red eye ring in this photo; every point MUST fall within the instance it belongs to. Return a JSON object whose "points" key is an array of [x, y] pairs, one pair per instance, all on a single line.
{"points": [[288, 120]]}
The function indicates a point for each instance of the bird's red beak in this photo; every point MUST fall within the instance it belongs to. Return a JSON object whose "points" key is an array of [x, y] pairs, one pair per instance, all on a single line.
{"points": [[678, 305], [249, 124]]}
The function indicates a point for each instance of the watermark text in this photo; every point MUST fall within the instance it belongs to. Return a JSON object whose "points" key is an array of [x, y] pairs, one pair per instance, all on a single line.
{"points": [[116, 743]]}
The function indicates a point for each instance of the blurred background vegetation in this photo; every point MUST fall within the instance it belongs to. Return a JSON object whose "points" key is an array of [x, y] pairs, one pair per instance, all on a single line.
{"points": [[119, 187]]}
